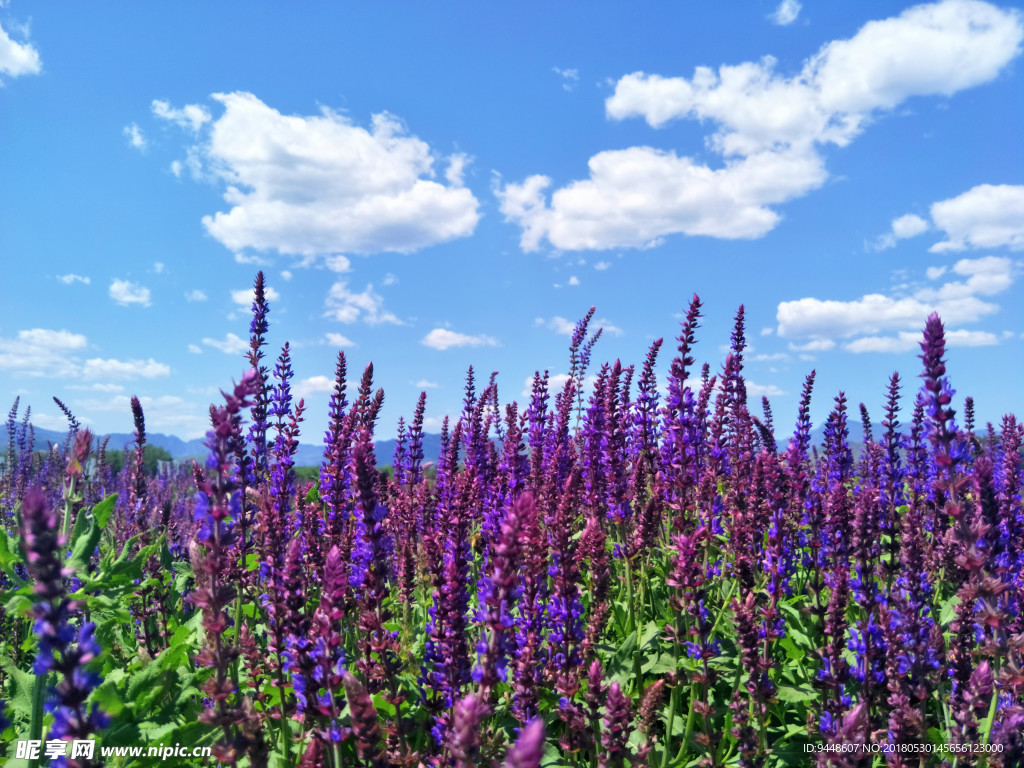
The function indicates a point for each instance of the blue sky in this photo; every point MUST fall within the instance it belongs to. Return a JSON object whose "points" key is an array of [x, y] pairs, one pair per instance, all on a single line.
{"points": [[431, 187]]}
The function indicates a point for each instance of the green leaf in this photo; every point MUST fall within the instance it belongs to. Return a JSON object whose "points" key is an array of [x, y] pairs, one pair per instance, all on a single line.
{"points": [[383, 706], [792, 652], [9, 557], [23, 684], [84, 541], [794, 694], [948, 611]]}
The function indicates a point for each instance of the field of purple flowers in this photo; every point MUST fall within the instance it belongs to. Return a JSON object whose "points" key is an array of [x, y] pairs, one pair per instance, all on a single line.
{"points": [[634, 576]]}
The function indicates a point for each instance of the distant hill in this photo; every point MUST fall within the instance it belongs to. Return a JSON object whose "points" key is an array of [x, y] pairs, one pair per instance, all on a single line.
{"points": [[308, 454]]}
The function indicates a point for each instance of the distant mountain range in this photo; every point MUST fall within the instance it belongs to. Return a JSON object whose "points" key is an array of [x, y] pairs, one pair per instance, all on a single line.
{"points": [[307, 455]]}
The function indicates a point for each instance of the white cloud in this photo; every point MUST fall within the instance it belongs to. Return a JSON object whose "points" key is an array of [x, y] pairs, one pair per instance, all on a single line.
{"points": [[602, 265], [338, 340], [286, 275], [313, 385], [98, 368], [570, 77], [758, 390], [816, 345], [168, 413], [338, 263], [159, 267], [41, 352], [557, 324], [97, 387], [231, 345], [425, 384], [347, 307], [987, 216], [456, 171], [250, 258], [17, 58], [767, 331], [195, 295], [125, 292], [176, 168], [909, 225], [786, 13], [135, 136], [637, 196], [956, 301], [319, 184], [907, 341], [573, 280], [768, 129], [442, 338], [73, 278], [48, 353], [934, 273], [191, 116], [903, 227], [195, 349], [390, 279], [246, 296], [565, 327]]}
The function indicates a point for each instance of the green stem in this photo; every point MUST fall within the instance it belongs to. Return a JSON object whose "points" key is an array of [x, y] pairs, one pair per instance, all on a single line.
{"points": [[36, 726], [673, 705], [986, 731]]}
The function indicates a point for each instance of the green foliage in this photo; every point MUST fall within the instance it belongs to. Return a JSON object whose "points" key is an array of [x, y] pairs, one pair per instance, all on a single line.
{"points": [[152, 456]]}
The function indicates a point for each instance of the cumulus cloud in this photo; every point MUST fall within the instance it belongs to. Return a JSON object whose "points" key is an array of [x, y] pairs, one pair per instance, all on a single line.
{"points": [[346, 306], [230, 345], [41, 352], [425, 384], [902, 227], [565, 327], [50, 353], [125, 293], [313, 385], [195, 349], [70, 278], [442, 338], [320, 184], [768, 129], [166, 413], [786, 13], [195, 295], [987, 216], [191, 116], [98, 368], [135, 136], [246, 296], [907, 341], [339, 340], [17, 59], [956, 301]]}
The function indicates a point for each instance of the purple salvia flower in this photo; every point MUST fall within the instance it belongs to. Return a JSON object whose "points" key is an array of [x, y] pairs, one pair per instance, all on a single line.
{"points": [[464, 736], [335, 481], [618, 726], [529, 747], [62, 648], [497, 596], [365, 723], [258, 427], [217, 502]]}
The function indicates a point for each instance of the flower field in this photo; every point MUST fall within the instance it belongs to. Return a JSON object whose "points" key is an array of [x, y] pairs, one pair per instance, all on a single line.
{"points": [[628, 573]]}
